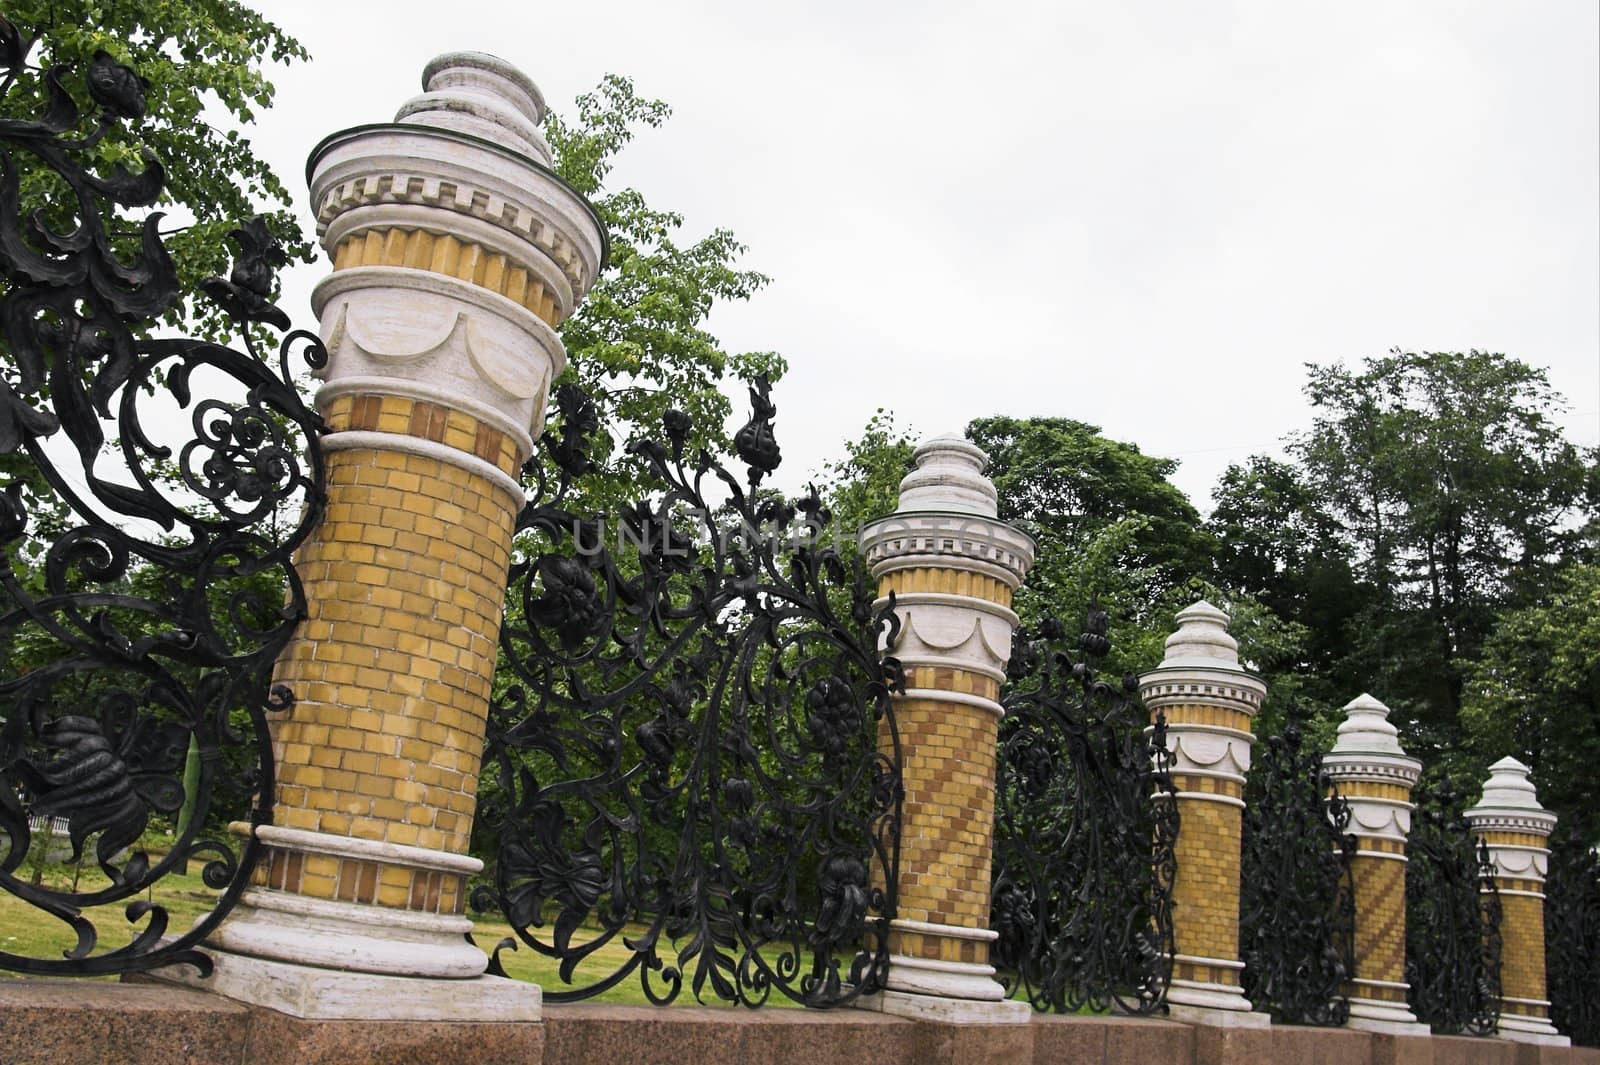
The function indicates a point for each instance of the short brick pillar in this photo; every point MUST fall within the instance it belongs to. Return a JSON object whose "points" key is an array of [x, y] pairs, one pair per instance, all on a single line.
{"points": [[1210, 702], [952, 568], [1375, 776], [456, 254], [1510, 821]]}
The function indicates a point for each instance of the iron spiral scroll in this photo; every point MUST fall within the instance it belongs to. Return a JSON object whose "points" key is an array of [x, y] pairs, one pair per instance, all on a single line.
{"points": [[1086, 832], [1453, 940], [1297, 911], [695, 773], [152, 490], [1572, 939]]}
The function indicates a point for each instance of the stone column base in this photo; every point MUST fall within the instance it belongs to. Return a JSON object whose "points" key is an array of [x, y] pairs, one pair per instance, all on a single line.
{"points": [[311, 993], [1384, 1015], [1212, 1004], [944, 1010], [1521, 1028]]}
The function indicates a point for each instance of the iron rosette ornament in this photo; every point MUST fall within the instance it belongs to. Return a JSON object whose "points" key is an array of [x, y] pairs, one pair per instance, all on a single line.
{"points": [[1297, 911], [1453, 940], [152, 489], [1086, 831], [692, 765], [1572, 939]]}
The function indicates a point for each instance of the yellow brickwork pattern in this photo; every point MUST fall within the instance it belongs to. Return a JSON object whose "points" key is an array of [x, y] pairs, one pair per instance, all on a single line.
{"points": [[426, 891], [948, 581], [1380, 885], [1522, 952], [452, 257], [1372, 789], [948, 755], [428, 421], [1214, 716], [939, 948], [947, 816], [391, 671], [1206, 894]]}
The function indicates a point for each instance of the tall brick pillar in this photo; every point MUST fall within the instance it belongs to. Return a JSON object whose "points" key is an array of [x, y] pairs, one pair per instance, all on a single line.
{"points": [[1376, 776], [1509, 819], [1210, 702], [456, 253], [952, 568]]}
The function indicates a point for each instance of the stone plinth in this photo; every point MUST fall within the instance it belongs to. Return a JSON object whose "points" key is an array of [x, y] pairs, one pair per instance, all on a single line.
{"points": [[1375, 776], [456, 253], [1516, 829], [952, 569], [1210, 703]]}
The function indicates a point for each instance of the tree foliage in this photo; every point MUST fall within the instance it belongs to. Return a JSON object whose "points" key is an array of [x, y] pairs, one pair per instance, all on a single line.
{"points": [[203, 63], [638, 344]]}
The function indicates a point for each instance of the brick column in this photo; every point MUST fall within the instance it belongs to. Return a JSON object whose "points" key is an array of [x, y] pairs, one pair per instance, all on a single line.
{"points": [[1509, 819], [456, 254], [1376, 776], [952, 568], [1210, 702]]}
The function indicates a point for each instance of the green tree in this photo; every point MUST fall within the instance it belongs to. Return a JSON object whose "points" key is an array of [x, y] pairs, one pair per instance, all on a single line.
{"points": [[638, 344], [203, 67], [1277, 543], [1534, 693], [1456, 493]]}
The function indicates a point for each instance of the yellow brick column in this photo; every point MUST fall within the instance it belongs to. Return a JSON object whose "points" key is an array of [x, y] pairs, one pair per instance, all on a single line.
{"points": [[952, 569], [456, 254], [1375, 775], [1210, 702], [1509, 819]]}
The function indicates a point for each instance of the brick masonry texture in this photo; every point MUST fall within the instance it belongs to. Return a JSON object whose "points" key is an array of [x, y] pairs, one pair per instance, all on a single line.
{"points": [[420, 250], [948, 765], [1380, 922], [1206, 894], [1522, 952], [392, 668]]}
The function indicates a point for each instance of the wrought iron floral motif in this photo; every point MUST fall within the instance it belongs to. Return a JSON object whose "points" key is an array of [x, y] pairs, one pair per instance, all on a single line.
{"points": [[1297, 899], [696, 762], [146, 585], [1572, 939], [1086, 830], [1452, 920]]}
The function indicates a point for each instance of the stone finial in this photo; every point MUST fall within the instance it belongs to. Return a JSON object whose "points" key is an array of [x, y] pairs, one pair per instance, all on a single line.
{"points": [[1202, 640], [1366, 729], [483, 96], [1508, 786], [1510, 802], [949, 477]]}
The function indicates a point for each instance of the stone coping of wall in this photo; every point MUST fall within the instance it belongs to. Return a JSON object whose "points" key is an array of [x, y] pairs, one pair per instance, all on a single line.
{"points": [[70, 1022]]}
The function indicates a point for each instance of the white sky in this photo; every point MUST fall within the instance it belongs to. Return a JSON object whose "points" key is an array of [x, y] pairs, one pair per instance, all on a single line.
{"points": [[1146, 216]]}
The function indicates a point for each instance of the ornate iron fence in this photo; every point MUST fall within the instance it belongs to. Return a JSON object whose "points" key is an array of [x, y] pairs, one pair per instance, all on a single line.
{"points": [[1086, 829], [1452, 920], [145, 577], [1297, 899], [1572, 939], [697, 766]]}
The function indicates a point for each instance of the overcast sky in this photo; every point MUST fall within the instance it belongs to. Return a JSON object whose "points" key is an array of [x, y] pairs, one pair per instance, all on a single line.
{"points": [[1146, 216]]}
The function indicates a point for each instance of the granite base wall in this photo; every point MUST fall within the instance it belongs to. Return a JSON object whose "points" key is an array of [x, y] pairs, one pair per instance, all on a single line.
{"points": [[65, 1022]]}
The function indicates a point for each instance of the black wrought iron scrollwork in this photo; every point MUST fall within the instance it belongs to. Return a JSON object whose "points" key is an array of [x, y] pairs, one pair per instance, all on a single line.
{"points": [[697, 771], [1452, 920], [1572, 939], [1086, 831], [1297, 899], [152, 489]]}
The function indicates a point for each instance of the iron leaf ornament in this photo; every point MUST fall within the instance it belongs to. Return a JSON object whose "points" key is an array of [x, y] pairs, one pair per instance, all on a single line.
{"points": [[694, 752], [152, 491]]}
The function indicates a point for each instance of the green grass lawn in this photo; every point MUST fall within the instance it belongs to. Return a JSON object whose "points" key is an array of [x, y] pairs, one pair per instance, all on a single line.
{"points": [[30, 932]]}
